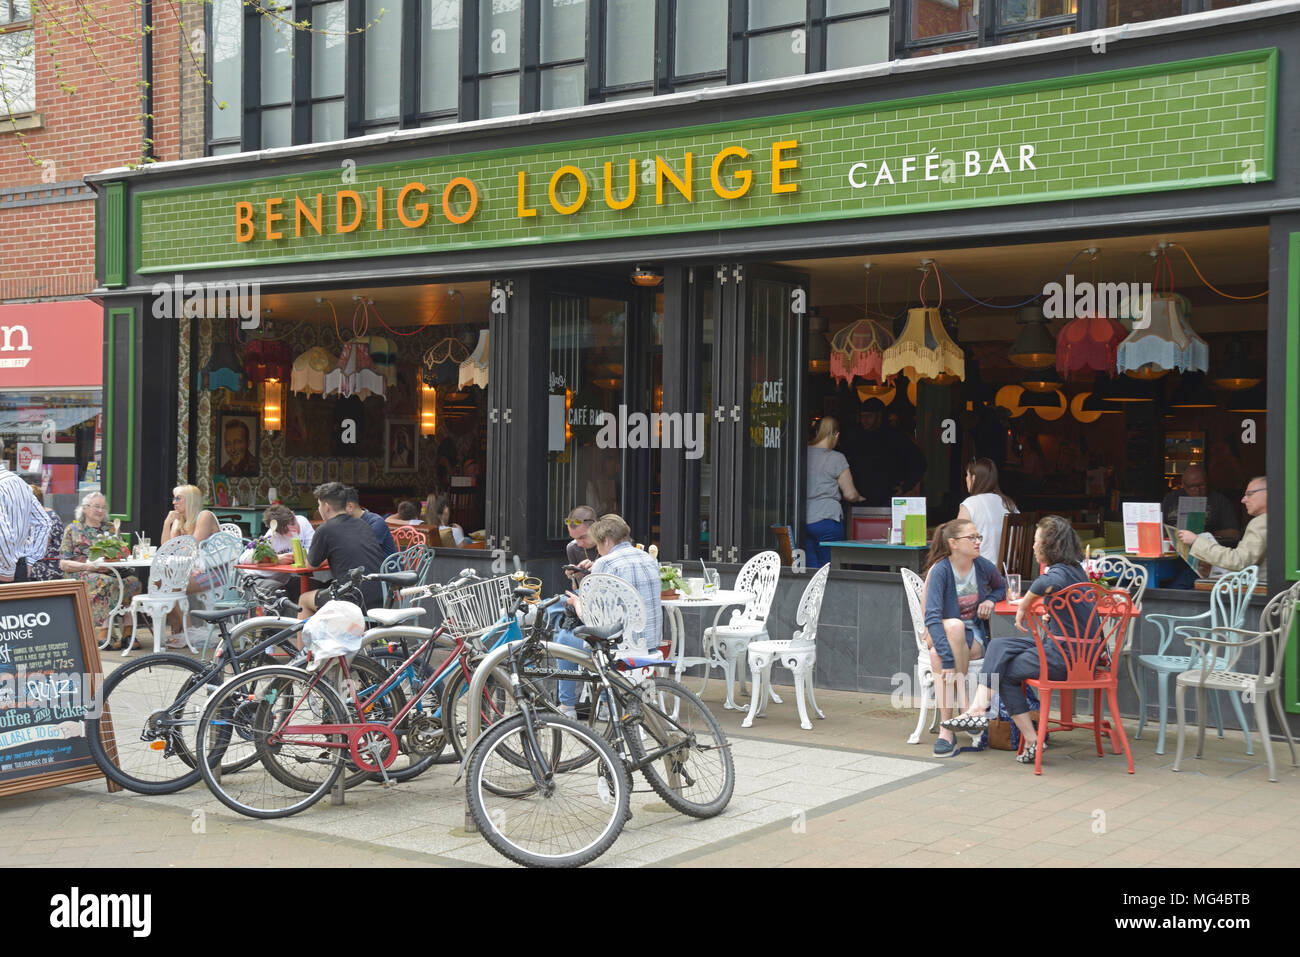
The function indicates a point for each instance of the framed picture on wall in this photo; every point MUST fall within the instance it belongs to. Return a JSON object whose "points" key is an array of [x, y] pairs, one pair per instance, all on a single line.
{"points": [[299, 471], [332, 470], [363, 473], [237, 437], [316, 472], [348, 472], [401, 445]]}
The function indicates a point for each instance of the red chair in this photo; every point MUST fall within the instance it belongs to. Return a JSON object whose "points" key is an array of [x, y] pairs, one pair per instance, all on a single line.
{"points": [[407, 535], [1080, 622], [870, 528]]}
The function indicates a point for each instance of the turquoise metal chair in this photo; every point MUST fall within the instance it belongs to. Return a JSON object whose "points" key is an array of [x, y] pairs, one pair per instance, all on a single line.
{"points": [[217, 556], [417, 558], [1228, 601]]}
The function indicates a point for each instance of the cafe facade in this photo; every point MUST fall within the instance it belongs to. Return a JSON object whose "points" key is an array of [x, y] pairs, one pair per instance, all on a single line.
{"points": [[627, 304]]}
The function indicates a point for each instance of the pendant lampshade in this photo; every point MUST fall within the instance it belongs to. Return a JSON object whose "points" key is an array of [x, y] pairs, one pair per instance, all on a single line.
{"points": [[924, 350], [1237, 371], [857, 351], [267, 359], [1126, 389], [1089, 342], [1192, 393], [224, 370], [1162, 341], [1034, 346], [1253, 399], [1093, 403], [1042, 380]]}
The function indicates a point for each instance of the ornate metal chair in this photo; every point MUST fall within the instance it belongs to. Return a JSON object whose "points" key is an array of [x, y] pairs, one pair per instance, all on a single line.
{"points": [[798, 653], [233, 529], [914, 588], [1216, 658], [1228, 601], [407, 536], [416, 558], [169, 576]]}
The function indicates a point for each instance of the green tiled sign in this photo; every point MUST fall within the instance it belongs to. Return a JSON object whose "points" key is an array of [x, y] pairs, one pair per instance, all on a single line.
{"points": [[1193, 123]]}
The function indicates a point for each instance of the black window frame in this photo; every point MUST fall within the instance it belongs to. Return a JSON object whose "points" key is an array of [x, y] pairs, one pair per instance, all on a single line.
{"points": [[27, 25]]}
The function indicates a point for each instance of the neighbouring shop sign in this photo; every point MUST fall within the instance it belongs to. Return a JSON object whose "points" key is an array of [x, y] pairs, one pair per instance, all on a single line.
{"points": [[1192, 123], [49, 667], [48, 345]]}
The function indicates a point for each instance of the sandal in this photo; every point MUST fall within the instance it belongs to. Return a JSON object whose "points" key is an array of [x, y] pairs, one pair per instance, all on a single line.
{"points": [[973, 723], [1027, 756]]}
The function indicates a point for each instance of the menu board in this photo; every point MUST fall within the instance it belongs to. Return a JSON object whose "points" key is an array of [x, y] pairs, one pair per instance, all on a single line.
{"points": [[49, 676], [907, 524], [1142, 529]]}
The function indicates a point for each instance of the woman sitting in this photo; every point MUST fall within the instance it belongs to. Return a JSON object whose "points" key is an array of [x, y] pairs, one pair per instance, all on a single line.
{"points": [[1014, 659], [188, 517], [47, 569], [438, 514], [89, 527], [960, 591]]}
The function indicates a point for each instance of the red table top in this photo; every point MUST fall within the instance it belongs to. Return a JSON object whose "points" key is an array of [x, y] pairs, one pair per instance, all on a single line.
{"points": [[288, 569], [1005, 607]]}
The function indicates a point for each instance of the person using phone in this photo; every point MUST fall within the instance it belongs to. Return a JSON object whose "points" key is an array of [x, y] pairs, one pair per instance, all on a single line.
{"points": [[580, 550]]}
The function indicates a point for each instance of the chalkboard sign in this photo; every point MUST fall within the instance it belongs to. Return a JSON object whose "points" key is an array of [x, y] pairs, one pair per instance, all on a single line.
{"points": [[49, 676]]}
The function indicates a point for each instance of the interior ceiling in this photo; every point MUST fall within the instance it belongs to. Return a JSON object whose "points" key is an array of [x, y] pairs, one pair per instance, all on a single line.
{"points": [[399, 306], [1228, 258]]}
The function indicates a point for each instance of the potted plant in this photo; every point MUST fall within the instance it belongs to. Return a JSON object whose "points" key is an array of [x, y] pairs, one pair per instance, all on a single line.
{"points": [[111, 548], [670, 582], [264, 554]]}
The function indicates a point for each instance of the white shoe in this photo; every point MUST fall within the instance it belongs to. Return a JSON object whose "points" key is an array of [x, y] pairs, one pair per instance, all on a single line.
{"points": [[569, 712]]}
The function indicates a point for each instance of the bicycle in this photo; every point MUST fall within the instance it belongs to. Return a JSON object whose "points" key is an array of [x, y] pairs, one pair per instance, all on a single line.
{"points": [[548, 791], [149, 705], [299, 726]]}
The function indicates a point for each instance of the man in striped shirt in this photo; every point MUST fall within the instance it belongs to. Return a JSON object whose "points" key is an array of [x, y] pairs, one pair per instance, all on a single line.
{"points": [[24, 527]]}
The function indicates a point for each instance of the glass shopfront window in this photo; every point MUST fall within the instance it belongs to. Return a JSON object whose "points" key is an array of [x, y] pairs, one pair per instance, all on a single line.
{"points": [[55, 440]]}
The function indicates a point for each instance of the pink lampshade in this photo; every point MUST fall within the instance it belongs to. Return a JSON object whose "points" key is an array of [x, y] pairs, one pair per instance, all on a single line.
{"points": [[1089, 342], [857, 351]]}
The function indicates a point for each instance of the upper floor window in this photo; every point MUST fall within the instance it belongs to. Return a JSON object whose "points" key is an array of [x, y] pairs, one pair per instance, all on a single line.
{"points": [[17, 58]]}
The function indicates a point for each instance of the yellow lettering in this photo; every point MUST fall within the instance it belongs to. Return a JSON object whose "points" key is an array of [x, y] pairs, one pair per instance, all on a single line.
{"points": [[553, 190], [744, 176], [460, 218], [339, 225], [421, 208], [272, 218], [683, 184], [301, 211], [520, 209], [779, 164], [379, 207], [244, 226], [610, 201]]}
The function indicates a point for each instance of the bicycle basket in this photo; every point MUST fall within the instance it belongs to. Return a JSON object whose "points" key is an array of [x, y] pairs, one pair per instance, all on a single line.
{"points": [[472, 609]]}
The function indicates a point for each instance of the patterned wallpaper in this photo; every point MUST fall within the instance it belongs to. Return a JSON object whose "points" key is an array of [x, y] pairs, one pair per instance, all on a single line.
{"points": [[457, 448]]}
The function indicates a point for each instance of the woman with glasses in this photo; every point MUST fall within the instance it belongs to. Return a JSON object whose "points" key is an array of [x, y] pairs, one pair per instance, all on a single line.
{"points": [[961, 588], [90, 524], [987, 506]]}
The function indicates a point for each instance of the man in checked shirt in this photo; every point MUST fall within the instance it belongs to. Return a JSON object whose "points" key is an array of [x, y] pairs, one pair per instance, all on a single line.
{"points": [[24, 527], [620, 558]]}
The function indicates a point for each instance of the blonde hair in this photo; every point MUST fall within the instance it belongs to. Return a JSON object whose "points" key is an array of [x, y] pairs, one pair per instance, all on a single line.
{"points": [[610, 529], [192, 499], [825, 429]]}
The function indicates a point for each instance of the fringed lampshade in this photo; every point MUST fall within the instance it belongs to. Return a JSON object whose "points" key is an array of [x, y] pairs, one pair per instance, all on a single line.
{"points": [[924, 350], [267, 359], [1163, 342], [309, 369], [355, 373], [1089, 342], [223, 370], [857, 351]]}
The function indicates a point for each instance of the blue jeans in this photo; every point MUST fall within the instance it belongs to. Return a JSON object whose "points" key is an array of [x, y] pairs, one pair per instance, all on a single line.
{"points": [[827, 530], [568, 689]]}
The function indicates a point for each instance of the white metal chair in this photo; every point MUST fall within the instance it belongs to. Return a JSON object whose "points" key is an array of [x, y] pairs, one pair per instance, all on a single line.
{"points": [[1228, 601], [233, 529], [1216, 657], [799, 654], [169, 576], [726, 644], [607, 601], [914, 589], [1132, 579]]}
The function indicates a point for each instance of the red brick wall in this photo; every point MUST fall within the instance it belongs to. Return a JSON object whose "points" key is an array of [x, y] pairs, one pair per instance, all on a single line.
{"points": [[48, 250]]}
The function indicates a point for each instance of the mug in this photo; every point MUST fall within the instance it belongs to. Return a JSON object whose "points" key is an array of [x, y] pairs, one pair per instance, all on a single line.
{"points": [[695, 586]]}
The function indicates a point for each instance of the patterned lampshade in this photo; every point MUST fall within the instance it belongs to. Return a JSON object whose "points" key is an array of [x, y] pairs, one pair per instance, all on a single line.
{"points": [[1089, 342], [267, 359], [858, 349], [1162, 342], [924, 350]]}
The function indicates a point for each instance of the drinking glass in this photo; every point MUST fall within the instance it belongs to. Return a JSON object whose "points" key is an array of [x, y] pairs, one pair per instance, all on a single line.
{"points": [[1013, 588], [711, 580]]}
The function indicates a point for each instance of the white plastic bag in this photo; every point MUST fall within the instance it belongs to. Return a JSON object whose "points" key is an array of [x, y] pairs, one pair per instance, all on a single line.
{"points": [[334, 631]]}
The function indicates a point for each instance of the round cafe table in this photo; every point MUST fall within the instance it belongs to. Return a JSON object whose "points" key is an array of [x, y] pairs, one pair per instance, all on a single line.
{"points": [[719, 599]]}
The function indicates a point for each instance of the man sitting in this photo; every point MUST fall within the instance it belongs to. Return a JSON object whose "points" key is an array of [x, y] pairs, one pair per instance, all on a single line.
{"points": [[288, 526], [346, 543], [1253, 549], [377, 524], [620, 558]]}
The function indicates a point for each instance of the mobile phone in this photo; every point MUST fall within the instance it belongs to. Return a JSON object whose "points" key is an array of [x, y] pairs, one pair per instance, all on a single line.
{"points": [[573, 568]]}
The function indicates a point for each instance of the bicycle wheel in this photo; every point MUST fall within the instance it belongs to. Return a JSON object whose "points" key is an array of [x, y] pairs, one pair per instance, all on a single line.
{"points": [[697, 776], [496, 703], [572, 817], [263, 707], [368, 675], [151, 708], [433, 741]]}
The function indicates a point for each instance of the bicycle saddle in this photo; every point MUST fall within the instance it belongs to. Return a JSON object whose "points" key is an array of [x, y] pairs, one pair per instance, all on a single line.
{"points": [[594, 635], [221, 614], [388, 617], [400, 579]]}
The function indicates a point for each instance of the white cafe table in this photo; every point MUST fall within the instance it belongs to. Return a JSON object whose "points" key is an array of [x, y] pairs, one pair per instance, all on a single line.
{"points": [[129, 564], [719, 599]]}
